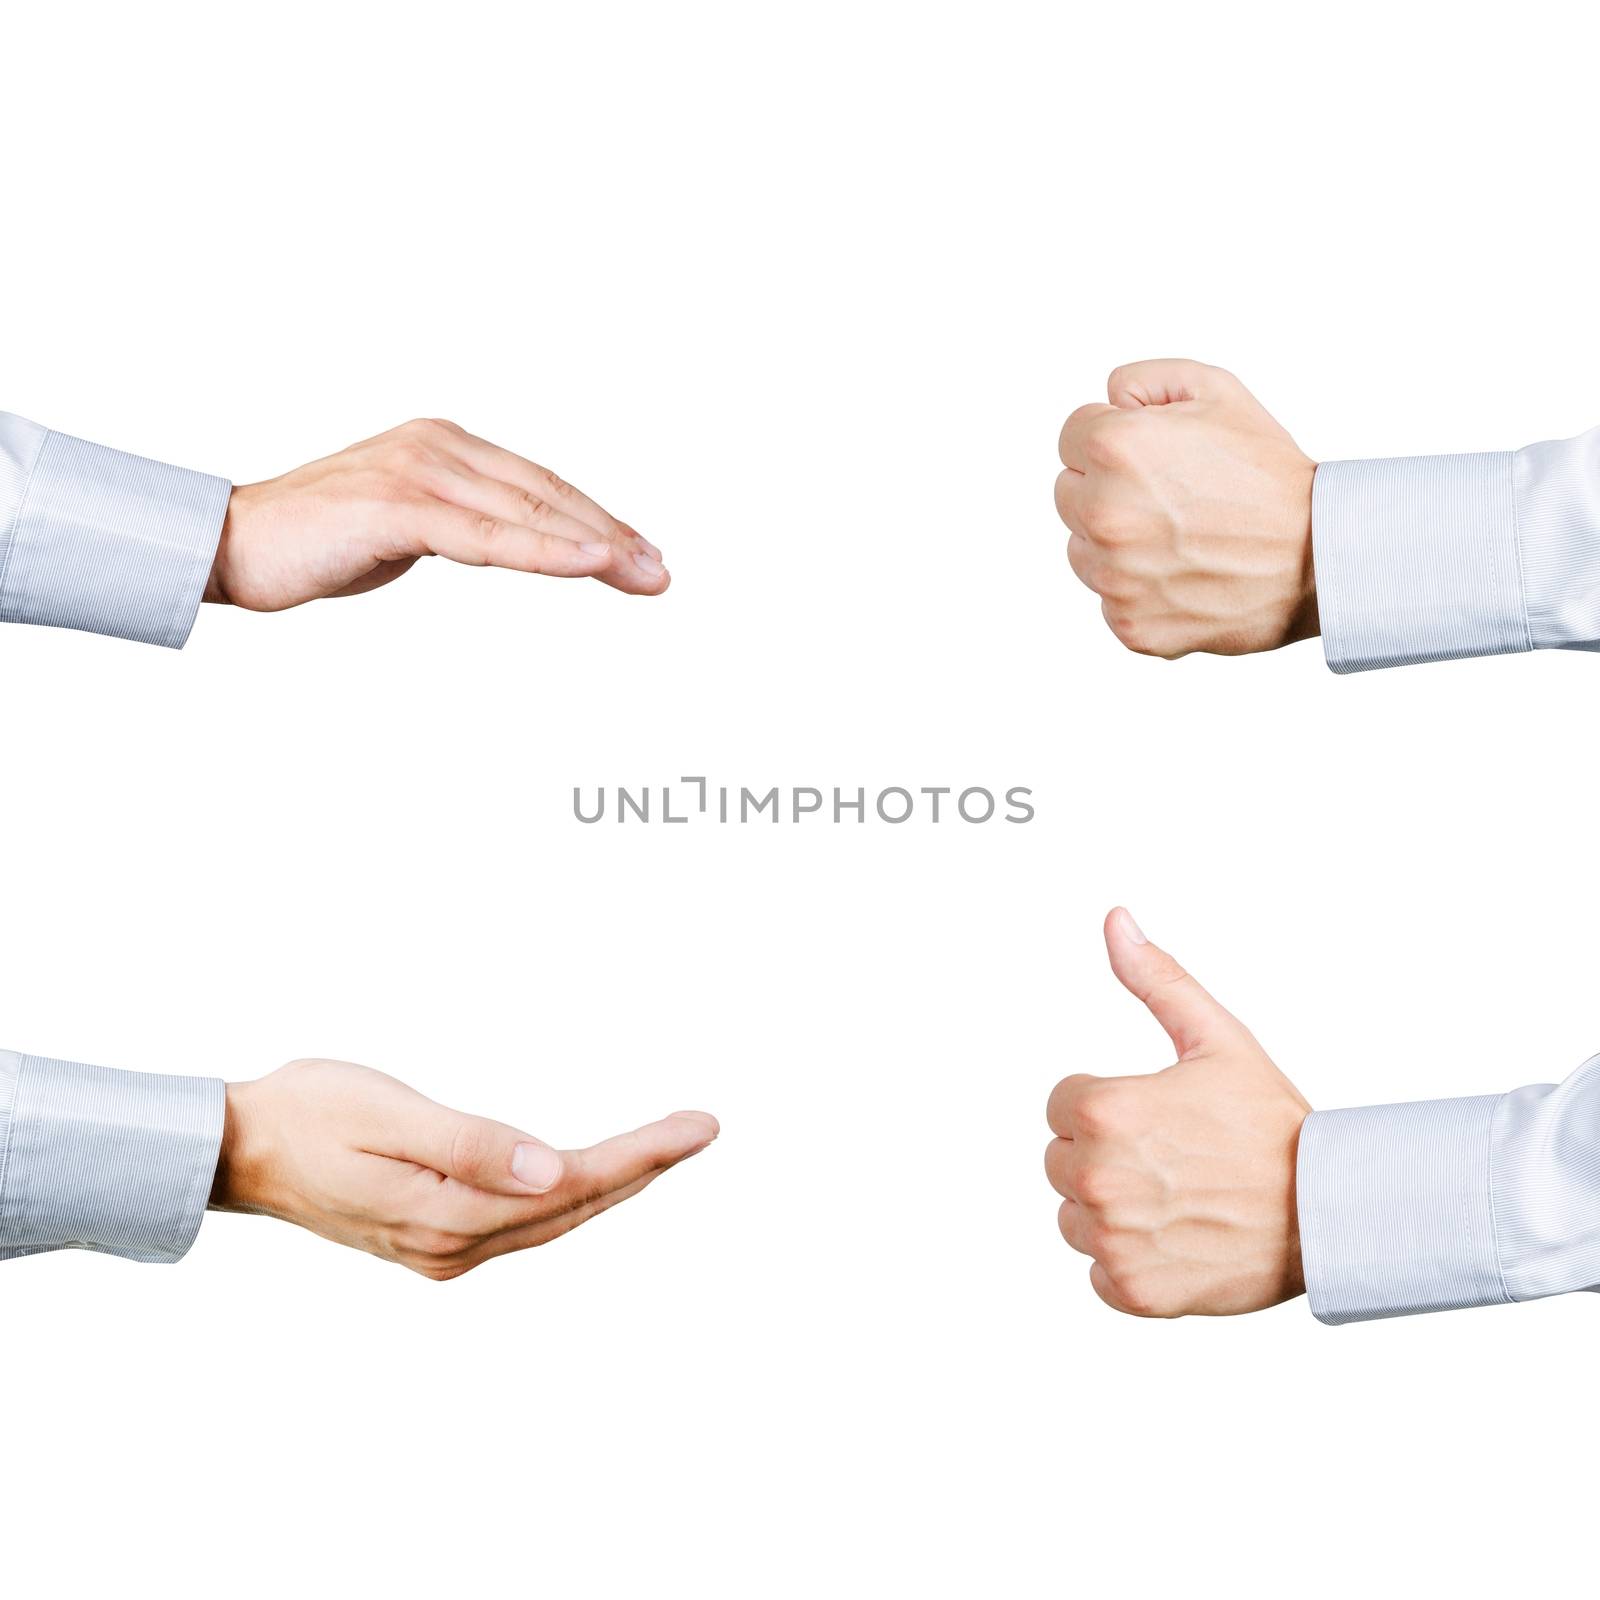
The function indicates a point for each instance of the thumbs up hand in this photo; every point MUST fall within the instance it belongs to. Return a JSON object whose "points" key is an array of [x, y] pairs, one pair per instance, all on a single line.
{"points": [[1190, 512], [1180, 1185]]}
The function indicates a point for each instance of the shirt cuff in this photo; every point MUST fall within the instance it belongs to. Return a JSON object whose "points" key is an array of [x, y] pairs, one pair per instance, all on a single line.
{"points": [[1396, 1210], [1417, 559], [95, 539], [92, 1159]]}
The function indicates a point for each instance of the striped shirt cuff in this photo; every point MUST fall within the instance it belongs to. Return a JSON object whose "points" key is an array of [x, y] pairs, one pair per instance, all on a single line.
{"points": [[1417, 559], [1396, 1210], [92, 1159], [95, 539]]}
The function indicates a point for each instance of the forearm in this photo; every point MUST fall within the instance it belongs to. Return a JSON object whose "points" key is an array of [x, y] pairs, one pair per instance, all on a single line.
{"points": [[95, 539], [96, 1159]]}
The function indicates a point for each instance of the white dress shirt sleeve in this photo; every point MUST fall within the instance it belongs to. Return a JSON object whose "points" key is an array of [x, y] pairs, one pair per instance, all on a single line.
{"points": [[91, 538], [1431, 558], [1450, 1203], [93, 1159], [94, 539]]}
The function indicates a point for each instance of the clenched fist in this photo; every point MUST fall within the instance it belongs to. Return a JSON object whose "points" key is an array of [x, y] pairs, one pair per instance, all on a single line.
{"points": [[1181, 1184], [1190, 511], [359, 519], [363, 1160]]}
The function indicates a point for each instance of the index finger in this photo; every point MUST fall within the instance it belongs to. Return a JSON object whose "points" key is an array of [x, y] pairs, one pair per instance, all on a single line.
{"points": [[1075, 430], [1063, 1098], [617, 1162], [640, 573], [534, 1234], [495, 462], [587, 1176]]}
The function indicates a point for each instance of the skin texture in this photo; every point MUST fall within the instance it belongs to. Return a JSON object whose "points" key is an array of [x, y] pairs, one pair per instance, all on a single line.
{"points": [[1180, 1185], [1190, 513], [359, 519], [361, 1159]]}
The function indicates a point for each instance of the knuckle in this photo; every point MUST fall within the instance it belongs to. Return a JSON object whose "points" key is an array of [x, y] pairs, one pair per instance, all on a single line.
{"points": [[440, 1271], [1131, 629], [1093, 1186], [1174, 977], [1091, 1118], [393, 479], [1148, 642], [469, 1149], [409, 450], [1109, 524], [1058, 1108], [1113, 1253], [1056, 1155], [1094, 1238], [402, 478], [1085, 569], [421, 442], [418, 432], [1103, 1110], [1137, 1297], [555, 487], [1107, 443], [533, 509], [437, 1245], [1114, 1287]]}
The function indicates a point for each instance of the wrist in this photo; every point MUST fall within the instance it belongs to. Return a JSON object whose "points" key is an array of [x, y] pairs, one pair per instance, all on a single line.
{"points": [[238, 1184], [222, 587], [1304, 621], [216, 591], [1294, 1272]]}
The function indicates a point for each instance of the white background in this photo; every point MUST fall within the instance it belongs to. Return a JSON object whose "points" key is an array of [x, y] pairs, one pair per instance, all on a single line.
{"points": [[805, 294]]}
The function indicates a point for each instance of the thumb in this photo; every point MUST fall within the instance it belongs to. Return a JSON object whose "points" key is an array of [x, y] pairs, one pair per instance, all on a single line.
{"points": [[477, 1151], [1168, 381], [1189, 1015]]}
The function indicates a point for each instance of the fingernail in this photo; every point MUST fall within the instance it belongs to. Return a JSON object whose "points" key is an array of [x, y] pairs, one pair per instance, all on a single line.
{"points": [[648, 546], [648, 564], [1132, 928], [536, 1165], [595, 549]]}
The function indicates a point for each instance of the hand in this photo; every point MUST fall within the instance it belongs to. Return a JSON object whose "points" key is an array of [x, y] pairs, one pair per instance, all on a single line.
{"points": [[361, 1159], [1181, 1184], [357, 520], [1190, 511]]}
